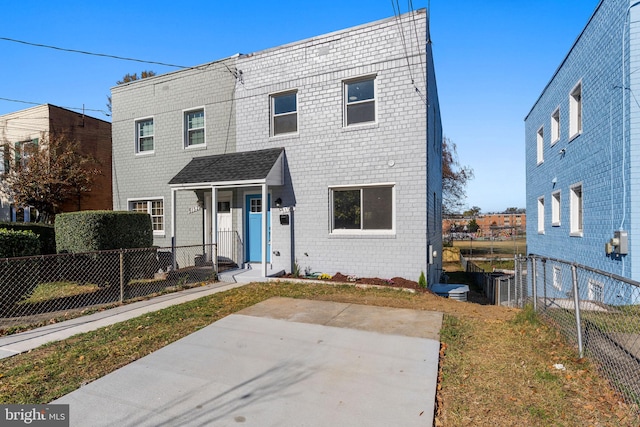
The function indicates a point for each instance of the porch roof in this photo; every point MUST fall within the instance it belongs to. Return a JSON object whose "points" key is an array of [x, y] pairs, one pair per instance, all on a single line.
{"points": [[260, 166]]}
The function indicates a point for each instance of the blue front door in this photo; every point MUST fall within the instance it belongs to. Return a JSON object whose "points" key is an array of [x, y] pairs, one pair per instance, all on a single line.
{"points": [[253, 241]]}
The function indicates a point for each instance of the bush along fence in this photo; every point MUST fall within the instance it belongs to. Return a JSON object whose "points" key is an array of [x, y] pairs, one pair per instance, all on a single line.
{"points": [[36, 289], [598, 312]]}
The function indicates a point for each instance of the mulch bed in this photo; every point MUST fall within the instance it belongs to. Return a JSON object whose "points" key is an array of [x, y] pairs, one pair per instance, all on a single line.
{"points": [[396, 282]]}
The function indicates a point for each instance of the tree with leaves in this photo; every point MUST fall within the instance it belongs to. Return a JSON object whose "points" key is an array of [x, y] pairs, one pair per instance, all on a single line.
{"points": [[130, 78], [48, 175], [454, 178]]}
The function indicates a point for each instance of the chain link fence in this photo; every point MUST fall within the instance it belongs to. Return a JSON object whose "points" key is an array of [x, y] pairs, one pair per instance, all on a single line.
{"points": [[596, 311], [499, 288], [40, 289]]}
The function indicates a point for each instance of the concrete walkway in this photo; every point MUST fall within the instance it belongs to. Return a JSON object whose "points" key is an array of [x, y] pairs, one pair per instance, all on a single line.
{"points": [[282, 362]]}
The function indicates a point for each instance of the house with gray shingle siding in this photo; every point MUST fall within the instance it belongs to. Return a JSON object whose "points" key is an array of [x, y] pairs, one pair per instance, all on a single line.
{"points": [[323, 154], [582, 146]]}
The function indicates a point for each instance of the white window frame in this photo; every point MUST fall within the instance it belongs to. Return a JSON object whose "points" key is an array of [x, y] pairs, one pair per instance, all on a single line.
{"points": [[576, 208], [555, 208], [541, 215], [575, 111], [137, 137], [540, 144], [335, 231], [557, 278], [555, 126], [595, 290], [273, 115], [187, 130], [148, 201], [346, 103]]}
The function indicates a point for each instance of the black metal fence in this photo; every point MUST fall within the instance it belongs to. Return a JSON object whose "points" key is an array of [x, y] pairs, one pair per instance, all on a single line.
{"points": [[38, 289]]}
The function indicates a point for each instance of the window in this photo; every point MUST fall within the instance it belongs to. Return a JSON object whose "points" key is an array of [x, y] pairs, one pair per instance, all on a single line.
{"points": [[5, 157], [541, 215], [24, 150], [555, 126], [360, 102], [575, 111], [576, 210], [557, 278], [155, 208], [596, 290], [362, 209], [284, 113], [540, 142], [193, 128], [144, 136], [555, 209]]}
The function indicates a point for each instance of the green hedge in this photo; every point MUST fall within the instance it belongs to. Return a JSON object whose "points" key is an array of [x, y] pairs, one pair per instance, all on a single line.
{"points": [[102, 230], [16, 243], [45, 232]]}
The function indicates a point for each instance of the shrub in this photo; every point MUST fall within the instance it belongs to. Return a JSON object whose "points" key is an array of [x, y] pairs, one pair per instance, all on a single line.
{"points": [[44, 232], [88, 231], [422, 281], [16, 243]]}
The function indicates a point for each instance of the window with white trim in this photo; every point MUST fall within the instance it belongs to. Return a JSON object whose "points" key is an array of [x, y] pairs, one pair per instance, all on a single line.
{"points": [[575, 111], [284, 113], [557, 278], [194, 134], [540, 144], [596, 290], [541, 215], [555, 126], [576, 209], [359, 101], [155, 208], [555, 209], [144, 136], [362, 209]]}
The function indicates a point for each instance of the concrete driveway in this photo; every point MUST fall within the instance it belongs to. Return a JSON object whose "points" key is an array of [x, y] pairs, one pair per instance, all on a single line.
{"points": [[283, 362]]}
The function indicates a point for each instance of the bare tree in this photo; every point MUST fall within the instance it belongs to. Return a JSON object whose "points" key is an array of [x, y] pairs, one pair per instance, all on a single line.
{"points": [[48, 174], [454, 178], [130, 78]]}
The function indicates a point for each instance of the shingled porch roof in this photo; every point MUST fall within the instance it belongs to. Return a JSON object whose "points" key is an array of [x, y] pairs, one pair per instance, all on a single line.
{"points": [[249, 167]]}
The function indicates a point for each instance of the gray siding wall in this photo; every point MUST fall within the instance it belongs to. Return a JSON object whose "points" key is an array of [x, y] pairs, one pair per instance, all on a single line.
{"points": [[403, 147]]}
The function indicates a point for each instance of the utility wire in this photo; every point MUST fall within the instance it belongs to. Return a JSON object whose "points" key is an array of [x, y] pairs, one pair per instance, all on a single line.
{"points": [[104, 55], [41, 103]]}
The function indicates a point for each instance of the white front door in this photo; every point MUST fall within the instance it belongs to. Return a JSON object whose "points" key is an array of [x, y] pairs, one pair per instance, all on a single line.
{"points": [[225, 225]]}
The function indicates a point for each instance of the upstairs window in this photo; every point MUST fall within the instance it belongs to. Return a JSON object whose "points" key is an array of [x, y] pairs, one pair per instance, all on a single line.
{"points": [[555, 126], [284, 113], [360, 101], [575, 111], [24, 150], [144, 136], [576, 210], [555, 209], [540, 145], [194, 128], [5, 158]]}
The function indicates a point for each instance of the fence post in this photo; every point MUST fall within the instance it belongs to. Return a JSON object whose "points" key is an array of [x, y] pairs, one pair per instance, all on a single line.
{"points": [[121, 275], [576, 300], [533, 284]]}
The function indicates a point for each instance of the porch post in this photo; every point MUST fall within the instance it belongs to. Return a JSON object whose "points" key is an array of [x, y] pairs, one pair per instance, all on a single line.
{"points": [[173, 227], [214, 227], [265, 207]]}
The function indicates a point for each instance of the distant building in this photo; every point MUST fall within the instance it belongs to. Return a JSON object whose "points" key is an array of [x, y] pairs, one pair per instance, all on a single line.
{"points": [[493, 224], [323, 154], [582, 147], [22, 131]]}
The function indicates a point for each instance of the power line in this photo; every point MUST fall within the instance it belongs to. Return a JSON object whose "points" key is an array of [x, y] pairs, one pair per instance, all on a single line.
{"points": [[41, 103], [83, 52]]}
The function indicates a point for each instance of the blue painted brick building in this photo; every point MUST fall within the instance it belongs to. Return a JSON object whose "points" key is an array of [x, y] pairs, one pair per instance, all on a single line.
{"points": [[582, 143]]}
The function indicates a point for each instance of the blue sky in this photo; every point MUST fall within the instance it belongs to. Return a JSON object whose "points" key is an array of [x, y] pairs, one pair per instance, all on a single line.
{"points": [[492, 59]]}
